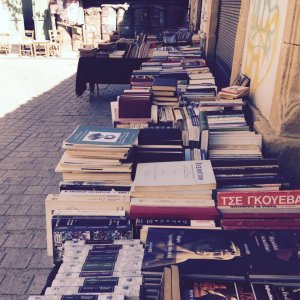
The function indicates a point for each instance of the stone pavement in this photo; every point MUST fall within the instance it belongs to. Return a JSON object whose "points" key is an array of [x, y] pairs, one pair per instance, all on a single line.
{"points": [[30, 147]]}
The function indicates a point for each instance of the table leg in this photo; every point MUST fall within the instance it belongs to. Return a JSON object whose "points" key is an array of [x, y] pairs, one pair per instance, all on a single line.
{"points": [[92, 91]]}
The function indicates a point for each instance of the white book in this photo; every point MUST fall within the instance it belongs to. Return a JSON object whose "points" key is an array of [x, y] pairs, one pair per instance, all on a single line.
{"points": [[175, 175], [129, 291], [138, 280], [79, 267], [122, 257], [84, 252], [98, 274]]}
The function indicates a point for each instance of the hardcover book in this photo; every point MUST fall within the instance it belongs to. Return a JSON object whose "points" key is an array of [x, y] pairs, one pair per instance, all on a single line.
{"points": [[164, 84]]}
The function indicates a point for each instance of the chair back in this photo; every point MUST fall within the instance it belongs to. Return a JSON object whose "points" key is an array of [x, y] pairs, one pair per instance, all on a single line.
{"points": [[89, 34], [55, 36]]}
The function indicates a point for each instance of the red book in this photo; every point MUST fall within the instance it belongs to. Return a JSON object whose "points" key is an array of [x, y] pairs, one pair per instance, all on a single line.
{"points": [[192, 213], [289, 198]]}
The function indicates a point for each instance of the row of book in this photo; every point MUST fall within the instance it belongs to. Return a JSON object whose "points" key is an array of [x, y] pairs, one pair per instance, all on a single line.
{"points": [[181, 263]]}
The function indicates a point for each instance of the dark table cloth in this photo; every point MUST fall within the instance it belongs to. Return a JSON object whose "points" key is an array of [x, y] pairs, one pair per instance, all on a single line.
{"points": [[94, 70]]}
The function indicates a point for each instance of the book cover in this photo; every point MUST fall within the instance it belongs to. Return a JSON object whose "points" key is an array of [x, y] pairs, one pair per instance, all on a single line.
{"points": [[172, 174], [216, 290], [198, 253], [101, 136], [164, 84], [278, 250]]}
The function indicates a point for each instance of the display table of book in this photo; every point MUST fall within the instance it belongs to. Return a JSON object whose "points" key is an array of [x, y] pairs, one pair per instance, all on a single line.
{"points": [[95, 70]]}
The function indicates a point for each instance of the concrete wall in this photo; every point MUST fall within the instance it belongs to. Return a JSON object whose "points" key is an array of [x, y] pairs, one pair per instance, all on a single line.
{"points": [[266, 21]]}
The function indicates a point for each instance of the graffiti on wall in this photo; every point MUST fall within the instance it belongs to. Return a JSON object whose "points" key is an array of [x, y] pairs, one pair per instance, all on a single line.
{"points": [[262, 40]]}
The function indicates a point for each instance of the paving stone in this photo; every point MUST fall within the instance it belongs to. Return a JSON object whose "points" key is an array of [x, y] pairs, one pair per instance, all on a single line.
{"points": [[18, 239], [38, 282], [3, 237], [3, 198], [39, 240], [15, 189], [17, 223], [17, 210], [36, 210], [40, 260], [36, 189], [16, 283], [3, 209], [37, 223], [31, 181], [16, 259], [16, 199]]}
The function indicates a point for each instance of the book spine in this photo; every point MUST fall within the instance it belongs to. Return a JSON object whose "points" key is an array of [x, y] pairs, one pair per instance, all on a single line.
{"points": [[98, 274], [289, 198]]}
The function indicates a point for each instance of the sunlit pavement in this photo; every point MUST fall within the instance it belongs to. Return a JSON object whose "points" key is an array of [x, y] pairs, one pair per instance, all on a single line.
{"points": [[40, 110], [21, 79]]}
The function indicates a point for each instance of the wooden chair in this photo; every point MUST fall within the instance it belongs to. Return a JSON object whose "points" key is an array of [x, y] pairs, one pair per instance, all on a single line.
{"points": [[26, 45], [55, 37], [4, 43], [89, 37]]}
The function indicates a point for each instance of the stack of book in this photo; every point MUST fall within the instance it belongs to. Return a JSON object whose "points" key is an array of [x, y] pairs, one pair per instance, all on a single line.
{"points": [[95, 153], [137, 123], [140, 48], [105, 270], [181, 189], [87, 52], [143, 82], [249, 174], [159, 145], [233, 92], [164, 92], [134, 103], [260, 209], [89, 227]]}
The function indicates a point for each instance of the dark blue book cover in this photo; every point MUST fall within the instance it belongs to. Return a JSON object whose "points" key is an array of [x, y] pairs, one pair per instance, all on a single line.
{"points": [[198, 253], [274, 254]]}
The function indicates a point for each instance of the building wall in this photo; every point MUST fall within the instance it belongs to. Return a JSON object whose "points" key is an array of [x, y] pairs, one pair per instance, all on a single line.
{"points": [[264, 36]]}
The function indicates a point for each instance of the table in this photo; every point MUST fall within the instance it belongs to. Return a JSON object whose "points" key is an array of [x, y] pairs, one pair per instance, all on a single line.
{"points": [[94, 70], [41, 47]]}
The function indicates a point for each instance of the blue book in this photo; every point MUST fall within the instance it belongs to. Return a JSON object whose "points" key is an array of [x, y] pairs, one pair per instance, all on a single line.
{"points": [[97, 136]]}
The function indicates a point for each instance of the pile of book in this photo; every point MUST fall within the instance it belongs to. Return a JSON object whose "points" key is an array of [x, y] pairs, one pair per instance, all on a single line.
{"points": [[164, 91], [95, 153], [97, 268], [233, 92], [159, 145], [87, 52], [137, 123], [179, 189], [141, 47]]}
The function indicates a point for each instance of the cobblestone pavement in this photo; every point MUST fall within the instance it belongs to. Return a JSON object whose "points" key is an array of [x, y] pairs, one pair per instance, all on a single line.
{"points": [[30, 147]]}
